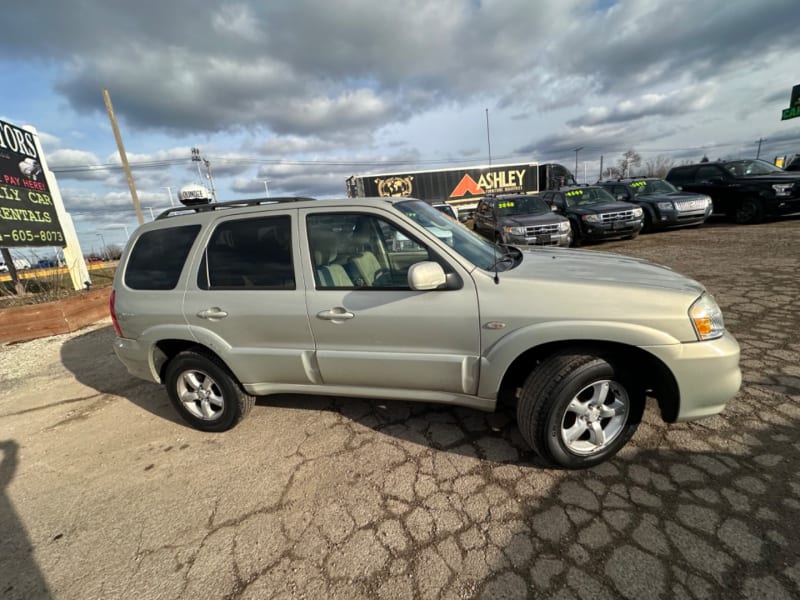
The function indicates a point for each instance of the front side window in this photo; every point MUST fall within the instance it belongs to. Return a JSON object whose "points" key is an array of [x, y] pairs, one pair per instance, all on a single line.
{"points": [[158, 256], [709, 173], [362, 251], [249, 254]]}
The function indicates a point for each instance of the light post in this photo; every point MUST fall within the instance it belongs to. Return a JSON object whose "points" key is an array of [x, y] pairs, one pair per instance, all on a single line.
{"points": [[152, 215], [169, 193], [578, 149], [104, 250], [266, 187]]}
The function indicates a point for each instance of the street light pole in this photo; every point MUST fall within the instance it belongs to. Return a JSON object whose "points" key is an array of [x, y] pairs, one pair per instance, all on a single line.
{"points": [[266, 187], [169, 193], [104, 250], [578, 149]]}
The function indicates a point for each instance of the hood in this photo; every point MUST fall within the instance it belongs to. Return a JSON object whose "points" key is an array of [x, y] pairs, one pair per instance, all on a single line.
{"points": [[774, 178], [526, 220], [605, 207], [591, 267]]}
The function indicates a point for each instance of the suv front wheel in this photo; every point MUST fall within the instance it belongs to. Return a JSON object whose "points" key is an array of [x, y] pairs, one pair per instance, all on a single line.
{"points": [[205, 393], [578, 409]]}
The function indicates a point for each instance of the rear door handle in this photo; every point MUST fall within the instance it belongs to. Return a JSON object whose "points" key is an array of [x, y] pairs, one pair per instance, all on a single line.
{"points": [[336, 315], [212, 314]]}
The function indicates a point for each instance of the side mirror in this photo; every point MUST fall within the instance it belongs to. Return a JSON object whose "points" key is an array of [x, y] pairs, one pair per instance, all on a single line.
{"points": [[426, 275]]}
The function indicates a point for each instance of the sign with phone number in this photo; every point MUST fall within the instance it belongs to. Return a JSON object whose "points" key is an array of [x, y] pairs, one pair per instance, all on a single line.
{"points": [[27, 214]]}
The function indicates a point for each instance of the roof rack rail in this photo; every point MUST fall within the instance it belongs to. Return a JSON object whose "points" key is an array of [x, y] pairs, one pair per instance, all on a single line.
{"points": [[230, 204]]}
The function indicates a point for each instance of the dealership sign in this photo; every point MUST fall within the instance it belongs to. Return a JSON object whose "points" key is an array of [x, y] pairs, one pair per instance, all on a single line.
{"points": [[27, 214], [794, 105]]}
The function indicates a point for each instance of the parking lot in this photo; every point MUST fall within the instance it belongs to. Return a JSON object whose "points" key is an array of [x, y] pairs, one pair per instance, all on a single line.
{"points": [[105, 493]]}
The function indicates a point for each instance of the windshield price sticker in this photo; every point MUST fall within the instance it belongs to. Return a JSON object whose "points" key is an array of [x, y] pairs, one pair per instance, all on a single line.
{"points": [[505, 205], [636, 184], [574, 193], [27, 214]]}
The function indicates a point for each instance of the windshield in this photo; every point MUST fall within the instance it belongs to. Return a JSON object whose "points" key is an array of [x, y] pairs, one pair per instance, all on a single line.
{"points": [[477, 250], [588, 196], [522, 205], [739, 168], [652, 186]]}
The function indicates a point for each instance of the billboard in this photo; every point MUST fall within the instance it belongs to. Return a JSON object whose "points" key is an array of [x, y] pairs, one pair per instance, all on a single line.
{"points": [[27, 214]]}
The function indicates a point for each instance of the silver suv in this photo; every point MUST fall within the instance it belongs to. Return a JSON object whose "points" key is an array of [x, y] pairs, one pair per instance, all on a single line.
{"points": [[389, 298]]}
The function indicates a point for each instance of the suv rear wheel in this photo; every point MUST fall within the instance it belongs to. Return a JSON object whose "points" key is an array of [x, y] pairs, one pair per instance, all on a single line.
{"points": [[578, 409], [205, 393]]}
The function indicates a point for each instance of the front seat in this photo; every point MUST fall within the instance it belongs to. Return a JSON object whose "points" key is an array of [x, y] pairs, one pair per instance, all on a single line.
{"points": [[362, 266]]}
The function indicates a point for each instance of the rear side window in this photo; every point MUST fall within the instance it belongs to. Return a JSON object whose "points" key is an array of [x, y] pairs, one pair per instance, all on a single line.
{"points": [[158, 256], [254, 254]]}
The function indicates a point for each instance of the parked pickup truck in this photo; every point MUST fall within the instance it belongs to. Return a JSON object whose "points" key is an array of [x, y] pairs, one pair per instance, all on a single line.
{"points": [[744, 190]]}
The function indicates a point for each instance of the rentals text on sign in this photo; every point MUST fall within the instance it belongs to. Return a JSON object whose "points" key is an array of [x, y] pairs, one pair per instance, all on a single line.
{"points": [[27, 214]]}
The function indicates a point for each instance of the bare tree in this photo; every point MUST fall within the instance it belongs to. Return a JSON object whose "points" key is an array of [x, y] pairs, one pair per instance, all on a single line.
{"points": [[658, 166], [629, 160]]}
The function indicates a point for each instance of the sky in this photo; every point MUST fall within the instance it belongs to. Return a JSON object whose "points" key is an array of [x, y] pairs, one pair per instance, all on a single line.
{"points": [[302, 94]]}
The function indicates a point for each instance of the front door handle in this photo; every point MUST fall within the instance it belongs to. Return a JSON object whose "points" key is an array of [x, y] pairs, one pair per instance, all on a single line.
{"points": [[335, 315], [212, 314]]}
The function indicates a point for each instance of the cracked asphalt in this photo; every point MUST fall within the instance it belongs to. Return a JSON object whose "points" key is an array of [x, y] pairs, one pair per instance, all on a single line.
{"points": [[104, 493]]}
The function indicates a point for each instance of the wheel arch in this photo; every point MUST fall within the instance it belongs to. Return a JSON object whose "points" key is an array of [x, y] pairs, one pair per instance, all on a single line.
{"points": [[165, 350], [654, 377]]}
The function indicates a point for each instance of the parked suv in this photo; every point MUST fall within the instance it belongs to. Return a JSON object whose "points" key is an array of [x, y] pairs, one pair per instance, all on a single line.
{"points": [[665, 206], [228, 301], [520, 219], [744, 190], [594, 214]]}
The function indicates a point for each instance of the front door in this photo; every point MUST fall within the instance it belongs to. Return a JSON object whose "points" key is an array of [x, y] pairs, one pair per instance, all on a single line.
{"points": [[370, 329]]}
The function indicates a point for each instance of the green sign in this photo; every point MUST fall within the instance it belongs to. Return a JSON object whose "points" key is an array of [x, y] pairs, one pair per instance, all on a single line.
{"points": [[794, 105]]}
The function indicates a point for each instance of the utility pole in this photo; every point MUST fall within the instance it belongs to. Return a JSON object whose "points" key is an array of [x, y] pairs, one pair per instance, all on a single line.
{"points": [[123, 156], [266, 187], [758, 154], [488, 138], [198, 159], [578, 149]]}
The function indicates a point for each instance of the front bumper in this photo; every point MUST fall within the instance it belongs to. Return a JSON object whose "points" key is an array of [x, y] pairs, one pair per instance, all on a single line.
{"points": [[553, 239], [707, 374], [615, 229], [667, 219]]}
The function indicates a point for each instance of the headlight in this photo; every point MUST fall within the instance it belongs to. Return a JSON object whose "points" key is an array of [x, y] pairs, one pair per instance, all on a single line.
{"points": [[514, 230], [591, 218], [637, 212], [706, 318], [782, 189], [564, 226], [664, 205]]}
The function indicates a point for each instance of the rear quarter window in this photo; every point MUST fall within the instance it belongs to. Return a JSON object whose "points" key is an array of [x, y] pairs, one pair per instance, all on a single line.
{"points": [[157, 258]]}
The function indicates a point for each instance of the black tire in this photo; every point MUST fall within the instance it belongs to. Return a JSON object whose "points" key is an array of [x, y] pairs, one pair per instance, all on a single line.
{"points": [[547, 416], [748, 211], [576, 234], [647, 223], [205, 393]]}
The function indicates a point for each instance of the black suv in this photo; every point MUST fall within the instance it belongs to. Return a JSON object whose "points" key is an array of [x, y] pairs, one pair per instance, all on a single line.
{"points": [[664, 205], [594, 214], [520, 219], [744, 190]]}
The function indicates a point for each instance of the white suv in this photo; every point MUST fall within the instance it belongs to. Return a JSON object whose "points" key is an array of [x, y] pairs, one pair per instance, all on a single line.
{"points": [[225, 302]]}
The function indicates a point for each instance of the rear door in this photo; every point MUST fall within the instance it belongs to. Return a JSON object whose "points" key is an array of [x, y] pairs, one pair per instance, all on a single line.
{"points": [[371, 330], [245, 297]]}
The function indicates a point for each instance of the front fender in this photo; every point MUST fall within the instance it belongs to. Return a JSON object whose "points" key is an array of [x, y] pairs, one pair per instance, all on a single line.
{"points": [[496, 360]]}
